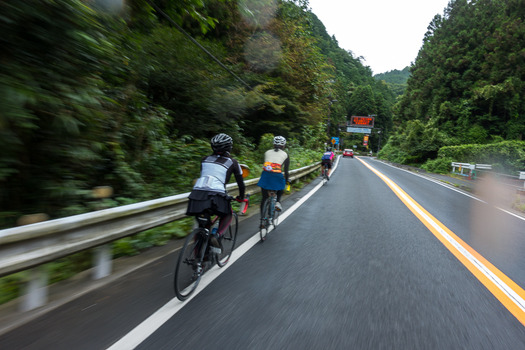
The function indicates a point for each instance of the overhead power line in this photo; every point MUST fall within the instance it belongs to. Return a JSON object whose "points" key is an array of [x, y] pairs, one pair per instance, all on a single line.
{"points": [[179, 28]]}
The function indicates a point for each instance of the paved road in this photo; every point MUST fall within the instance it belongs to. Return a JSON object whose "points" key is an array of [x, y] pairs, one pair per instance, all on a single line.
{"points": [[352, 268]]}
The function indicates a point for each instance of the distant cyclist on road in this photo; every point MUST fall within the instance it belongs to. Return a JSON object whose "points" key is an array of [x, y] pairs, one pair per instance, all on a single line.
{"points": [[209, 191], [275, 171], [326, 161]]}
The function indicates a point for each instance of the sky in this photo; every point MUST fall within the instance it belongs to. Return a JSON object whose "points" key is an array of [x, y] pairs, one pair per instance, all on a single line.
{"points": [[386, 33]]}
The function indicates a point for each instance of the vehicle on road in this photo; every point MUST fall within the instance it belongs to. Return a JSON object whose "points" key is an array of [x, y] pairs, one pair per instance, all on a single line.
{"points": [[348, 153]]}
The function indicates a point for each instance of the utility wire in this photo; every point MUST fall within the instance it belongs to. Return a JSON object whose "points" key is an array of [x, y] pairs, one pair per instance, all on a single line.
{"points": [[197, 43]]}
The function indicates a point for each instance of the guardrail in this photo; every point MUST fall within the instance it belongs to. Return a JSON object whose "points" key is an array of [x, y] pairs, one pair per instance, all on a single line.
{"points": [[474, 168], [470, 167], [28, 247]]}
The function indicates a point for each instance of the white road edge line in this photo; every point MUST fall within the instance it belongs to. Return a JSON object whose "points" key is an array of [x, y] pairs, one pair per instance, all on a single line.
{"points": [[480, 266], [141, 332], [451, 188]]}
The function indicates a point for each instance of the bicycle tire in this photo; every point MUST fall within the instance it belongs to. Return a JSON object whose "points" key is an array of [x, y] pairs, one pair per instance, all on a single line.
{"points": [[265, 222], [190, 266], [227, 241], [275, 219], [325, 177]]}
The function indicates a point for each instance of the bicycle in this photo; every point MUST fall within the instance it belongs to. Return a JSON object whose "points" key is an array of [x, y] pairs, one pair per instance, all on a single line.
{"points": [[324, 174], [269, 216], [198, 256]]}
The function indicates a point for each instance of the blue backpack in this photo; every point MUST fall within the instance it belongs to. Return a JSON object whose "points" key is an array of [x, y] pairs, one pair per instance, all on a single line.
{"points": [[326, 156]]}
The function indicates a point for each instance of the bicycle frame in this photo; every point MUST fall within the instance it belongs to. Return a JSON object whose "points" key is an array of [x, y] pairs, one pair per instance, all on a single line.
{"points": [[272, 197], [196, 256], [324, 173], [268, 214], [205, 220]]}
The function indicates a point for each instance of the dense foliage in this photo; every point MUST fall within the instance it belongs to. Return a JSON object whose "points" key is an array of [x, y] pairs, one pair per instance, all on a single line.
{"points": [[93, 93], [467, 83], [395, 79], [502, 155]]}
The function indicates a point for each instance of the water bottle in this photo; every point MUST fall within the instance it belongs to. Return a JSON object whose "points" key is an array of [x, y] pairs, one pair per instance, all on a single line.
{"points": [[214, 246]]}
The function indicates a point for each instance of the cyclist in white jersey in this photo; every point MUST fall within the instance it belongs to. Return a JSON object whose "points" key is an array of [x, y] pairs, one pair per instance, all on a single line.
{"points": [[209, 191], [275, 171]]}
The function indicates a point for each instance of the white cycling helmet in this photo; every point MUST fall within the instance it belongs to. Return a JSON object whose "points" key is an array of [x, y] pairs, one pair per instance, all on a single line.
{"points": [[279, 141]]}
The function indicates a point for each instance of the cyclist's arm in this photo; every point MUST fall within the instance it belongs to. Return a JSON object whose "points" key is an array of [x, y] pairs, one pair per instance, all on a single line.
{"points": [[237, 172], [286, 166]]}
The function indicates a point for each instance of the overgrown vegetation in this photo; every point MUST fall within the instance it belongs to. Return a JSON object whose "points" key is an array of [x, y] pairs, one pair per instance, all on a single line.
{"points": [[92, 95], [118, 97], [466, 87]]}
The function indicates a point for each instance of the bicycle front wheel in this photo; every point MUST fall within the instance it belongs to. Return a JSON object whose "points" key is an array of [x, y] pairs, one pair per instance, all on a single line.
{"points": [[227, 241], [190, 267]]}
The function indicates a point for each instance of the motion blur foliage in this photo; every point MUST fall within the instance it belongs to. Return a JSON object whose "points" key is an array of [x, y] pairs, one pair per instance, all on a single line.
{"points": [[115, 96], [119, 97], [50, 95]]}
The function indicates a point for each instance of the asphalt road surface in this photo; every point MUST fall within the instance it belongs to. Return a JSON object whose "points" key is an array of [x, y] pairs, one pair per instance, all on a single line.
{"points": [[378, 258]]}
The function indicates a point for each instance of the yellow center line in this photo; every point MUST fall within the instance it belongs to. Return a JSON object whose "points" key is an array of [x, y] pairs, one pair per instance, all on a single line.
{"points": [[511, 295]]}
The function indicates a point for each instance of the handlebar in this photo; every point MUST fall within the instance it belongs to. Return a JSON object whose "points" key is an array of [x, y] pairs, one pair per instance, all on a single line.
{"points": [[244, 204]]}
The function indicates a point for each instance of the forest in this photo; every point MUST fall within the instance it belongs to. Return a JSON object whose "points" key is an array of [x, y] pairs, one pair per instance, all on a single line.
{"points": [[466, 87], [395, 79], [127, 94]]}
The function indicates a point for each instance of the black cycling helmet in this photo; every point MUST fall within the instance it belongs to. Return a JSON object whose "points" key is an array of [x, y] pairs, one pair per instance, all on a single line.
{"points": [[328, 149], [221, 143], [279, 141]]}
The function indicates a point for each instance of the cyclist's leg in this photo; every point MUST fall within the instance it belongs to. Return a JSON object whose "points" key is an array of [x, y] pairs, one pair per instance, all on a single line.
{"points": [[263, 200], [227, 240], [279, 195], [224, 222]]}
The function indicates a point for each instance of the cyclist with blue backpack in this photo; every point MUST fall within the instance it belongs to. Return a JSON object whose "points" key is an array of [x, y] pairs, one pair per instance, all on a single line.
{"points": [[326, 161]]}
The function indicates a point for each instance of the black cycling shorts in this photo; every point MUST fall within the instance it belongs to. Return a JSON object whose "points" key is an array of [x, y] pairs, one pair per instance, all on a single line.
{"points": [[327, 164]]}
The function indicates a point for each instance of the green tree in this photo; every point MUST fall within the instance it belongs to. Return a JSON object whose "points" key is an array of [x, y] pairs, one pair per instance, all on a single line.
{"points": [[50, 100], [467, 78]]}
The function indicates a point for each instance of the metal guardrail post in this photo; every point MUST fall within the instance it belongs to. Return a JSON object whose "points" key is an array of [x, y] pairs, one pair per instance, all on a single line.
{"points": [[36, 289], [102, 261], [29, 247]]}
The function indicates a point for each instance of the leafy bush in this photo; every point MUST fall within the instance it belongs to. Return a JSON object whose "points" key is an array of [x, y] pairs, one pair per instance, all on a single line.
{"points": [[393, 153], [439, 165], [11, 286], [506, 156]]}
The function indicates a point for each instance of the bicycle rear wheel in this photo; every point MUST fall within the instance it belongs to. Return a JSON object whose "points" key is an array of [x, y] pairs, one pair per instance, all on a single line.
{"points": [[227, 241], [275, 219], [265, 219], [190, 265]]}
